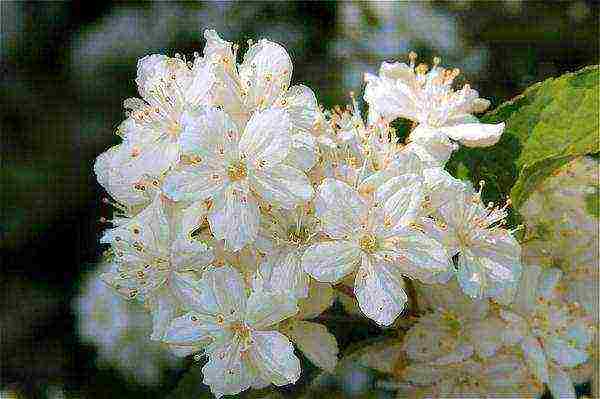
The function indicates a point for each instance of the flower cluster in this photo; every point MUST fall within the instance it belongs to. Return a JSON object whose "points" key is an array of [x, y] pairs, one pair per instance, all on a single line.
{"points": [[242, 205]]}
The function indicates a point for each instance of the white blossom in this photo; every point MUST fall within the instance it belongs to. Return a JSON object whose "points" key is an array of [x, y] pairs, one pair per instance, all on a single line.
{"points": [[151, 133], [426, 97], [235, 169], [488, 254], [377, 240], [262, 81], [553, 335], [238, 332], [149, 254]]}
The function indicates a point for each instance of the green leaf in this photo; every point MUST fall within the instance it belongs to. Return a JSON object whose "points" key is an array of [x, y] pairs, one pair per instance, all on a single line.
{"points": [[548, 125]]}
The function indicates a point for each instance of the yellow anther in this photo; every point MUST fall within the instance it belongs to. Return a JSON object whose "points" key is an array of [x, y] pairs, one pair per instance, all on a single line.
{"points": [[368, 243], [422, 69], [237, 171]]}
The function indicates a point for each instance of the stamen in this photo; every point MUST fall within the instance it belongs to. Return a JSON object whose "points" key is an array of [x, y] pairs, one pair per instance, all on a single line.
{"points": [[412, 58]]}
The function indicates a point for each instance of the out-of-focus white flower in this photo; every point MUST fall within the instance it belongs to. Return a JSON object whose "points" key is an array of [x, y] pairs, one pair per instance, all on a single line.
{"points": [[561, 233], [553, 336], [237, 168], [149, 256], [118, 330], [426, 97], [376, 239], [502, 375], [488, 255], [457, 329], [238, 332]]}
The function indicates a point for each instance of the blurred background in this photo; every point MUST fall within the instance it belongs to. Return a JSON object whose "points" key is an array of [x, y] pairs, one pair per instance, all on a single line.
{"points": [[67, 67]]}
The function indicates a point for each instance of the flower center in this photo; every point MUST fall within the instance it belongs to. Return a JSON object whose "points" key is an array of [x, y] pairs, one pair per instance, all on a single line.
{"points": [[297, 236], [237, 171], [368, 243]]}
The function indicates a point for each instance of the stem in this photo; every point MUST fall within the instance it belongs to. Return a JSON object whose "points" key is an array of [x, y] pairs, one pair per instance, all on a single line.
{"points": [[412, 296]]}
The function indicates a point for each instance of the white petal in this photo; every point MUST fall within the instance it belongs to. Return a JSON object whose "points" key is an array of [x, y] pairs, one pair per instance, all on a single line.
{"points": [[235, 219], [379, 289], [273, 356], [155, 69], [283, 272], [485, 337], [265, 73], [205, 131], [548, 281], [226, 373], [486, 276], [191, 330], [194, 183], [163, 311], [190, 253], [418, 255], [318, 344], [225, 292], [266, 140], [303, 152], [195, 294], [389, 98], [401, 199], [432, 145], [330, 261], [216, 48], [282, 185], [320, 298], [339, 207], [535, 358], [563, 354], [516, 329], [560, 384], [265, 308], [475, 134], [150, 228], [200, 87], [301, 104], [526, 296]]}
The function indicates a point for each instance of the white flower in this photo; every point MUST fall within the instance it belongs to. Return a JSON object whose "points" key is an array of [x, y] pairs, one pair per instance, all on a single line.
{"points": [[488, 255], [147, 259], [118, 330], [561, 233], [151, 133], [503, 375], [553, 336], [378, 239], [312, 338], [282, 237], [235, 168], [427, 98], [238, 332], [457, 329], [262, 81]]}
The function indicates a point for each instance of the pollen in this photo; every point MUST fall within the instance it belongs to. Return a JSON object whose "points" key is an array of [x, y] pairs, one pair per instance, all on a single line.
{"points": [[368, 243], [237, 171]]}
